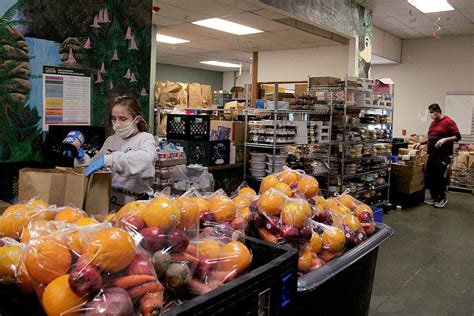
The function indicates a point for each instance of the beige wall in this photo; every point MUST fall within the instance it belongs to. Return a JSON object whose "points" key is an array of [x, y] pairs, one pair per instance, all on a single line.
{"points": [[298, 64], [386, 45], [429, 69], [243, 79]]}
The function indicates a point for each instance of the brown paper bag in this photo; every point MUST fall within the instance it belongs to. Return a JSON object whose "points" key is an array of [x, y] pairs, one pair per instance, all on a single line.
{"points": [[206, 94], [194, 94], [171, 94], [67, 186]]}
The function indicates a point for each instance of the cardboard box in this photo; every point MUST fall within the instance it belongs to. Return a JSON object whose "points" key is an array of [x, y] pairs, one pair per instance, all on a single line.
{"points": [[323, 81], [227, 130], [410, 184], [407, 171], [384, 85]]}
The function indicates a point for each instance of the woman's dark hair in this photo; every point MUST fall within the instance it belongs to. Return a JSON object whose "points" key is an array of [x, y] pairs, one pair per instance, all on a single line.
{"points": [[434, 108], [123, 96]]}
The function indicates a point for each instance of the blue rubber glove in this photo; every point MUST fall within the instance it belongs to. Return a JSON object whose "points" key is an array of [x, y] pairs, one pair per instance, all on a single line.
{"points": [[94, 166], [73, 138]]}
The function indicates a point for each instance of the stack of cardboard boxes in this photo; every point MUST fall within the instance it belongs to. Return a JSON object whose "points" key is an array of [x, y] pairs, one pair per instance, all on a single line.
{"points": [[409, 173]]}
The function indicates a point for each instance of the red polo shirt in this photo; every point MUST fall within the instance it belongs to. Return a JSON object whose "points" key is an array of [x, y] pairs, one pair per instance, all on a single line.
{"points": [[444, 127]]}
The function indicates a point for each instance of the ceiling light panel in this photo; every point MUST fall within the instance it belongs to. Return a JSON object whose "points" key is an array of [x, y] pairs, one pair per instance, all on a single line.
{"points": [[429, 6], [227, 26], [220, 64], [170, 39]]}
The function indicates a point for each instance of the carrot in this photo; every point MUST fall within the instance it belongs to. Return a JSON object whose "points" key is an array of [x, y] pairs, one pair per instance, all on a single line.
{"points": [[223, 276], [267, 236], [132, 280], [199, 288], [142, 289], [151, 303], [192, 250], [184, 256]]}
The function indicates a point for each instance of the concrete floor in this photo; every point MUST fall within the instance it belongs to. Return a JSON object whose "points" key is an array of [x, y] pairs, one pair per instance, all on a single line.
{"points": [[427, 267]]}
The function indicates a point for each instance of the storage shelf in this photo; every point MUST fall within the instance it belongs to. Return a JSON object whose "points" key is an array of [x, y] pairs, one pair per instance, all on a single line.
{"points": [[380, 187], [198, 109], [256, 145], [359, 174], [360, 124], [225, 167], [379, 204], [254, 178], [367, 141], [359, 158], [363, 107], [264, 112]]}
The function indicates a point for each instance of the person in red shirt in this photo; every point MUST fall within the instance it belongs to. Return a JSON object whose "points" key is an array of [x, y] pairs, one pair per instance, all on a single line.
{"points": [[442, 134]]}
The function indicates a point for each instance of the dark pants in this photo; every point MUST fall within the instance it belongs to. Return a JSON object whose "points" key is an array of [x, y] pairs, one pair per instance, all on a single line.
{"points": [[435, 170]]}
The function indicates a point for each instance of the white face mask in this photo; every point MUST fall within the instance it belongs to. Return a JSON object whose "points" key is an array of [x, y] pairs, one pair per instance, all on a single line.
{"points": [[126, 130]]}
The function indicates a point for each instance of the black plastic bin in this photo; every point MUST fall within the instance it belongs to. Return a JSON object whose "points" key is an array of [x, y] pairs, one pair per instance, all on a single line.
{"points": [[343, 286], [188, 126], [204, 152], [269, 288]]}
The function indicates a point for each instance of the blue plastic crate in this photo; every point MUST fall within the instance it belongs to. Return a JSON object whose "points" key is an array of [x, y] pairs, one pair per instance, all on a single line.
{"points": [[378, 214]]}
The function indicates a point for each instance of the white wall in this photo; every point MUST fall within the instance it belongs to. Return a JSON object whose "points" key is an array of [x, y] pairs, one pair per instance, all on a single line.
{"points": [[243, 79], [298, 64], [430, 67]]}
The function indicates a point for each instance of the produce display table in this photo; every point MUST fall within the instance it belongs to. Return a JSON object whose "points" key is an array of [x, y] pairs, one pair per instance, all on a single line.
{"points": [[347, 280]]}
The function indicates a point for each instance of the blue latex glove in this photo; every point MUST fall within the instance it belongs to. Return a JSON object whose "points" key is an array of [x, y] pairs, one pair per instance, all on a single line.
{"points": [[94, 166]]}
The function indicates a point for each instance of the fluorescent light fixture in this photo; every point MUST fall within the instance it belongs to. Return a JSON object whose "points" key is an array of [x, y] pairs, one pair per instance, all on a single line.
{"points": [[429, 6], [220, 64], [379, 60], [227, 26], [170, 39]]}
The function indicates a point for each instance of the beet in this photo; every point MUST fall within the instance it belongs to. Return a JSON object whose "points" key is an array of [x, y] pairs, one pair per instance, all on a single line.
{"points": [[111, 301]]}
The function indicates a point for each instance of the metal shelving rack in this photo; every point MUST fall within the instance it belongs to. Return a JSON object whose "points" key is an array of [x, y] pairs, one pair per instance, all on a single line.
{"points": [[341, 176], [274, 114]]}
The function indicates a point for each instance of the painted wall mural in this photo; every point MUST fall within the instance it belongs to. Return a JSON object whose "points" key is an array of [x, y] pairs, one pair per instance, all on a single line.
{"points": [[110, 37], [344, 16]]}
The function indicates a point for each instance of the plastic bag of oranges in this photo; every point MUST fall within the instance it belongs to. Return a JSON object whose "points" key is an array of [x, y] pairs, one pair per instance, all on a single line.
{"points": [[332, 240], [362, 212], [93, 268], [16, 217], [280, 219], [293, 183], [10, 256]]}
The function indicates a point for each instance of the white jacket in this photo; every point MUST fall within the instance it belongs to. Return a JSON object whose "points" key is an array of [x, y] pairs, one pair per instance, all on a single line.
{"points": [[132, 161]]}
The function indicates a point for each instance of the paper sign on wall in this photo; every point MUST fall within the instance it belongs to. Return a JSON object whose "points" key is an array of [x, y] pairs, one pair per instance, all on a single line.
{"points": [[66, 96]]}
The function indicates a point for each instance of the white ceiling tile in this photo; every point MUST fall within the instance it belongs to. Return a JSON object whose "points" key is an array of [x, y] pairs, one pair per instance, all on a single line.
{"points": [[197, 30], [395, 7], [428, 31], [256, 21], [241, 4], [269, 14], [180, 34], [461, 29], [389, 23], [164, 21], [207, 7], [297, 35], [179, 14], [418, 20], [468, 13], [406, 33], [448, 17], [462, 4]]}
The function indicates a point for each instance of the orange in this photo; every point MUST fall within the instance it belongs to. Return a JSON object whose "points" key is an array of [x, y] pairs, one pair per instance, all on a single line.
{"points": [[69, 215], [289, 177], [361, 209], [209, 248], [85, 221], [245, 212], [75, 242], [268, 182], [37, 204], [306, 208], [314, 245], [35, 229], [341, 209], [352, 222], [320, 200], [9, 262], [24, 281], [202, 203], [112, 249], [223, 208], [333, 239], [131, 208], [309, 186], [14, 219], [189, 212], [110, 217], [247, 194], [348, 201], [331, 203], [285, 188], [295, 214], [162, 212], [304, 260], [234, 256], [271, 202], [59, 299], [240, 203], [46, 259]]}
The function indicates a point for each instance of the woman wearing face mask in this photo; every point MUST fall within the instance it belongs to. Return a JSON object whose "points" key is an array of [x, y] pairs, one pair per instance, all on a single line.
{"points": [[130, 152]]}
